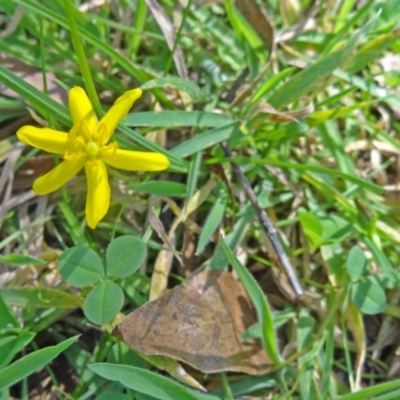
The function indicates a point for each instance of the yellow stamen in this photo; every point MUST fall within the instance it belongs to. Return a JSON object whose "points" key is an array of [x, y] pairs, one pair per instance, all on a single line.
{"points": [[100, 133], [85, 131]]}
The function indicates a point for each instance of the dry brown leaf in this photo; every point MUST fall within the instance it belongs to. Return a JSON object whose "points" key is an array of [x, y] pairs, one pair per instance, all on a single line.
{"points": [[287, 116], [12, 26], [200, 323], [158, 226], [258, 20], [169, 33], [189, 259], [355, 324], [159, 277], [163, 264]]}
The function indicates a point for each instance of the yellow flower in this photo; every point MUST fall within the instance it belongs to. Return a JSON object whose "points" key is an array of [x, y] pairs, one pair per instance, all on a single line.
{"points": [[86, 145]]}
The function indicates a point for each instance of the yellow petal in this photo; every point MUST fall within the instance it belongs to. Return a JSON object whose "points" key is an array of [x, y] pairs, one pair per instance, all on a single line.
{"points": [[135, 160], [59, 175], [98, 195], [44, 138], [116, 114], [80, 108]]}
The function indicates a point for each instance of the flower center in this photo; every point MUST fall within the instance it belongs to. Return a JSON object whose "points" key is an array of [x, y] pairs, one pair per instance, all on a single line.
{"points": [[92, 149]]}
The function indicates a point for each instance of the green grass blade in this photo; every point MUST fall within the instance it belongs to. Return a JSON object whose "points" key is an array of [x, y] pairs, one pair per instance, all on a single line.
{"points": [[244, 31], [30, 363], [193, 176], [174, 119], [219, 259], [73, 225], [351, 22], [148, 382], [381, 258], [7, 317], [138, 23], [38, 297], [81, 56], [44, 104], [89, 37], [305, 330], [267, 86], [176, 83], [393, 395], [373, 391], [345, 9], [329, 358], [261, 305], [309, 167], [160, 188], [12, 344], [213, 221], [204, 140], [301, 83]]}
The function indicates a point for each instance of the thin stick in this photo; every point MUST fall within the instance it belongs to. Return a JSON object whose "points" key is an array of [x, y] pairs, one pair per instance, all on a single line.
{"points": [[267, 224]]}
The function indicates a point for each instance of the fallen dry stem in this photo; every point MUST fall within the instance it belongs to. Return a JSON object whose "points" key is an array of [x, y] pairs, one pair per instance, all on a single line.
{"points": [[267, 224]]}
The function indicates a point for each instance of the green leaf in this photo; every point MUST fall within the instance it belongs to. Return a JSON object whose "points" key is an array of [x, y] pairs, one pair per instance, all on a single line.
{"points": [[103, 302], [12, 344], [243, 28], [193, 175], [305, 329], [125, 255], [176, 83], [176, 119], [249, 385], [382, 259], [312, 228], [113, 395], [261, 305], [320, 116], [334, 228], [372, 50], [73, 225], [121, 353], [32, 362], [378, 389], [213, 221], [303, 82], [81, 266], [88, 36], [7, 317], [267, 86], [40, 298], [252, 332], [19, 259], [204, 140], [369, 297], [148, 382], [356, 263], [308, 167], [219, 259], [160, 188]]}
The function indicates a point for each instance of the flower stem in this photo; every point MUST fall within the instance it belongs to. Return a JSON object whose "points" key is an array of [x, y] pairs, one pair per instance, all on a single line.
{"points": [[82, 60]]}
